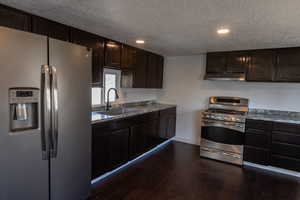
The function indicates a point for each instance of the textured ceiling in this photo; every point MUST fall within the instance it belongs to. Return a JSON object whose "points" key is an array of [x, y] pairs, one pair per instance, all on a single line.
{"points": [[179, 27]]}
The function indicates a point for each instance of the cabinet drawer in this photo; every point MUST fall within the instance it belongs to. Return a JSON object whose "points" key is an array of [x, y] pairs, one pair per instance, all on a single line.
{"points": [[286, 149], [257, 140], [126, 122], [257, 131], [285, 162], [286, 127], [258, 125], [286, 137], [256, 155], [168, 111]]}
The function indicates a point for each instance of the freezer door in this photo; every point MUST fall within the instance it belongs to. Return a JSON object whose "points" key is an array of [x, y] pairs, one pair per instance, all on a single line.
{"points": [[23, 172], [71, 163]]}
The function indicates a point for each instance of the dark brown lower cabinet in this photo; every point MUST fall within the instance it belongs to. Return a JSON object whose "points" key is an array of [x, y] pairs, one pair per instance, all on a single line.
{"points": [[167, 124], [257, 142], [118, 147], [100, 156], [285, 162], [256, 155], [116, 142], [152, 134], [138, 140], [143, 137], [273, 143]]}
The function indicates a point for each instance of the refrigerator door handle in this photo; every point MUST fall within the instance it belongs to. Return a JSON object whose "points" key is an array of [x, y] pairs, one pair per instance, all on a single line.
{"points": [[54, 100], [45, 110]]}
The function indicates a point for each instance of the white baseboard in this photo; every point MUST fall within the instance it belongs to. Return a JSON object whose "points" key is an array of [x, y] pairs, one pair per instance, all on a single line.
{"points": [[185, 140], [273, 169]]}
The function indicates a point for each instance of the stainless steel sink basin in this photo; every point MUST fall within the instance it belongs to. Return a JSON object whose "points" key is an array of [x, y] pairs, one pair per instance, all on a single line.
{"points": [[118, 111]]}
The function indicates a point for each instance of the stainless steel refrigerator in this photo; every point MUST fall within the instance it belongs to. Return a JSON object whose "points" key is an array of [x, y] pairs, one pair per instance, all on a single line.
{"points": [[45, 129]]}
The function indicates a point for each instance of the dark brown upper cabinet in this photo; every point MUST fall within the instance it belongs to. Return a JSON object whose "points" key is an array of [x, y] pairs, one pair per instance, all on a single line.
{"points": [[137, 72], [113, 54], [50, 28], [216, 62], [129, 57], [136, 76], [265, 65], [140, 71], [154, 71], [96, 44], [227, 62], [160, 72], [237, 62], [288, 65], [261, 65], [13, 18]]}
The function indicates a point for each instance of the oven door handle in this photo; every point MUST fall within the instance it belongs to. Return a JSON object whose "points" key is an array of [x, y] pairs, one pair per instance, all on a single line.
{"points": [[229, 125]]}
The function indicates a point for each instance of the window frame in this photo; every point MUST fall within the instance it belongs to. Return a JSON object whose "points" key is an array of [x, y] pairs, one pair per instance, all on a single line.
{"points": [[118, 82]]}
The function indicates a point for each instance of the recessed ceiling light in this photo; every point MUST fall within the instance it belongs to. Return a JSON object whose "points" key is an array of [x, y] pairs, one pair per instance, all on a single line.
{"points": [[223, 31], [140, 41]]}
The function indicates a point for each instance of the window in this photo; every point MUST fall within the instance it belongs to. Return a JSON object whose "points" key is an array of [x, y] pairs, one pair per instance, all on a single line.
{"points": [[96, 96], [111, 79]]}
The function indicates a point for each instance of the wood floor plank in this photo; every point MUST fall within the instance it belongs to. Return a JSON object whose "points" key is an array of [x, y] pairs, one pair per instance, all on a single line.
{"points": [[176, 172]]}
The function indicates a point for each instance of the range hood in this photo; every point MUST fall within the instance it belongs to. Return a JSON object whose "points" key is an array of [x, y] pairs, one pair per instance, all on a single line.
{"points": [[225, 76]]}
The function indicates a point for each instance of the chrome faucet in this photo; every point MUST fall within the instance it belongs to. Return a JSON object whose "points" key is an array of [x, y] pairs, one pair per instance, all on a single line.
{"points": [[107, 101]]}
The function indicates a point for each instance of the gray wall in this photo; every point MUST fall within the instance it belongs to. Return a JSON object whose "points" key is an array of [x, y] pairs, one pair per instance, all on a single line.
{"points": [[184, 86]]}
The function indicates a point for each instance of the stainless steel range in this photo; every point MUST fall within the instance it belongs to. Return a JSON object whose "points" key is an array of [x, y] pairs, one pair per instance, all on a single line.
{"points": [[223, 128]]}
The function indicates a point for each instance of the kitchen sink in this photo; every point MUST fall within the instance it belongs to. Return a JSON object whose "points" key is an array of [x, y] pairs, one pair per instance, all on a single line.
{"points": [[118, 111]]}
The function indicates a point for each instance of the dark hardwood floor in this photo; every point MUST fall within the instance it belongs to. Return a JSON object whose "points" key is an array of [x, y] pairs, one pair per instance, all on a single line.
{"points": [[177, 172]]}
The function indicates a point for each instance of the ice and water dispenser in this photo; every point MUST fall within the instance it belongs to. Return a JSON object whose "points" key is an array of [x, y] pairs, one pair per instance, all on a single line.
{"points": [[23, 108]]}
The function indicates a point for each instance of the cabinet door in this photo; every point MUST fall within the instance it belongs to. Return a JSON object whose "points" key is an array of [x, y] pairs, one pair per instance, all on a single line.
{"points": [[118, 147], [50, 28], [100, 152], [288, 65], [139, 71], [261, 66], [167, 124], [98, 62], [113, 54], [237, 62], [129, 57], [152, 134], [13, 18], [152, 71], [96, 43], [216, 62], [128, 66], [285, 162], [256, 155], [138, 140], [83, 38], [172, 124], [160, 72], [127, 78]]}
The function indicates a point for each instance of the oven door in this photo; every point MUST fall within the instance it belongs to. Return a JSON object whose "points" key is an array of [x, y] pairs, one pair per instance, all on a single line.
{"points": [[222, 141], [230, 133]]}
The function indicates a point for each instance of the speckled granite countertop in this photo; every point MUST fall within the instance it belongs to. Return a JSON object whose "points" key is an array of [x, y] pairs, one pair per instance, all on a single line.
{"points": [[128, 110], [274, 115]]}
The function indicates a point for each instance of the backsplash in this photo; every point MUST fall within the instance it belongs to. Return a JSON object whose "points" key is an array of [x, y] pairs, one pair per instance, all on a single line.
{"points": [[128, 95]]}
